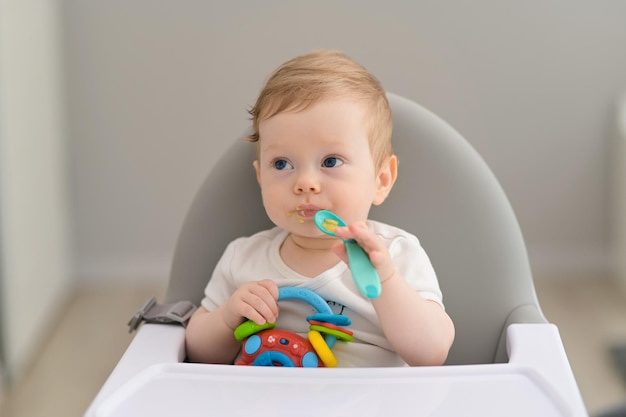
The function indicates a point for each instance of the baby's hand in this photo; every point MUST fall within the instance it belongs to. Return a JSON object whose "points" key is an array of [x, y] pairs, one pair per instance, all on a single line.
{"points": [[256, 301], [372, 245]]}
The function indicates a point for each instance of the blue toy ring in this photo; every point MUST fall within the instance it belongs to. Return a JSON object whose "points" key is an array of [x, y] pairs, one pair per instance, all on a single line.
{"points": [[306, 295]]}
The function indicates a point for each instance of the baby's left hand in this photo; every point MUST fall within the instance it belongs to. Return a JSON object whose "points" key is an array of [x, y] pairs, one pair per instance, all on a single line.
{"points": [[373, 246]]}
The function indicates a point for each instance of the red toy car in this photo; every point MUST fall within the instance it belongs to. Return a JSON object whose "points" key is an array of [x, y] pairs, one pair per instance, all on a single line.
{"points": [[275, 347]]}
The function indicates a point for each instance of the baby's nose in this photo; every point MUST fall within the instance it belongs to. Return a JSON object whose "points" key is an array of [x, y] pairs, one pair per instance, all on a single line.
{"points": [[306, 184]]}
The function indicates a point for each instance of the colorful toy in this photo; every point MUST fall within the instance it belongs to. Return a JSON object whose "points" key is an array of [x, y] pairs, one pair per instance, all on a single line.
{"points": [[363, 272], [264, 345]]}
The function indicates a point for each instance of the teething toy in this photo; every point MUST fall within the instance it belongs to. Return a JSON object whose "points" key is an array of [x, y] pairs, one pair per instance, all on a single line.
{"points": [[338, 334], [322, 349], [363, 272], [249, 328], [264, 345], [335, 319]]}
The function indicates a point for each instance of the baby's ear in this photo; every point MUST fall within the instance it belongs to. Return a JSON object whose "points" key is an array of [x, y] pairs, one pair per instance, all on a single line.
{"points": [[385, 178], [257, 169]]}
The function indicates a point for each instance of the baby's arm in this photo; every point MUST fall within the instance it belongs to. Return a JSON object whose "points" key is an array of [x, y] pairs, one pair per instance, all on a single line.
{"points": [[209, 336], [419, 329]]}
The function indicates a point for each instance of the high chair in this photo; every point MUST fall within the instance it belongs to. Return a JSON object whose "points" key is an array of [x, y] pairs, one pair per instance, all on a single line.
{"points": [[507, 360]]}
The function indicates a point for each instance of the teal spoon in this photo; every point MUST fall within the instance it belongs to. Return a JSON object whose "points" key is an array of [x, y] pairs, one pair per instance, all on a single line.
{"points": [[363, 272]]}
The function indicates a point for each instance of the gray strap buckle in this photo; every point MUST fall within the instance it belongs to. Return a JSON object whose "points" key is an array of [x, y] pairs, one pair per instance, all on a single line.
{"points": [[152, 312]]}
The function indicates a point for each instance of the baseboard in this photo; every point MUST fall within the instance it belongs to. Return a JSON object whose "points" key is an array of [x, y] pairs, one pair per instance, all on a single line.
{"points": [[579, 263]]}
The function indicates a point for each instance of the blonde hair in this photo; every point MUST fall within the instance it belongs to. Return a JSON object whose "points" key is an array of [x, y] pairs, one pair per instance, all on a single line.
{"points": [[321, 74]]}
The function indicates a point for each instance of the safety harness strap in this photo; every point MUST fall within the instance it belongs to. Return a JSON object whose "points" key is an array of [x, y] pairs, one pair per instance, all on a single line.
{"points": [[153, 312]]}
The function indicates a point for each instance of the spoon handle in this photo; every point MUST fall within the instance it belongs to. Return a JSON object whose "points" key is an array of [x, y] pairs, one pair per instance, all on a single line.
{"points": [[364, 274]]}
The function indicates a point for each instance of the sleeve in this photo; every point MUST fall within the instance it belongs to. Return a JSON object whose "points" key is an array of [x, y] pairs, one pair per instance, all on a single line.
{"points": [[415, 266], [221, 285]]}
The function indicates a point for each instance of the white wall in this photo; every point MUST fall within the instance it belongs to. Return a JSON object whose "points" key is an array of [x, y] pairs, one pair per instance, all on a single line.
{"points": [[157, 89], [35, 274]]}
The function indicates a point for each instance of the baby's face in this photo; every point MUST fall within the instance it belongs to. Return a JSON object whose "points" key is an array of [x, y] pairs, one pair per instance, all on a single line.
{"points": [[317, 159]]}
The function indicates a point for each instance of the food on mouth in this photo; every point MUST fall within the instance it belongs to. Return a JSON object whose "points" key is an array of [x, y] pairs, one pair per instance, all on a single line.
{"points": [[291, 213]]}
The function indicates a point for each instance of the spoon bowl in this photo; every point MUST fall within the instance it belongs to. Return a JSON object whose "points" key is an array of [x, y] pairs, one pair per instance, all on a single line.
{"points": [[327, 221]]}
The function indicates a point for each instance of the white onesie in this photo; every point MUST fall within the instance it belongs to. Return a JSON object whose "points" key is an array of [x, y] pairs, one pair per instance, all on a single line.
{"points": [[257, 257]]}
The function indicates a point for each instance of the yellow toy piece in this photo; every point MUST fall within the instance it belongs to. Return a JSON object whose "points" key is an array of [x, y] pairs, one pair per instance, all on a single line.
{"points": [[322, 349]]}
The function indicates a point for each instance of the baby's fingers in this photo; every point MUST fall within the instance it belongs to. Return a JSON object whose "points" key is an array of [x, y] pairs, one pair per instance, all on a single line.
{"points": [[372, 244], [369, 241], [255, 301], [340, 250], [271, 287], [261, 302]]}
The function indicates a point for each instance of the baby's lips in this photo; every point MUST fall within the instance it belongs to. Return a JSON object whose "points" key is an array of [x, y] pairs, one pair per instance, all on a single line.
{"points": [[307, 210]]}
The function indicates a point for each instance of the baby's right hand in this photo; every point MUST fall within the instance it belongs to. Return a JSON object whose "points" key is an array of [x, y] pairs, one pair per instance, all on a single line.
{"points": [[255, 300]]}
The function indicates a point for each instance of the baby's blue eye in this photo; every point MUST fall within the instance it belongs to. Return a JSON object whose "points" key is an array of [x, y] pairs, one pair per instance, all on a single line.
{"points": [[281, 164], [331, 162]]}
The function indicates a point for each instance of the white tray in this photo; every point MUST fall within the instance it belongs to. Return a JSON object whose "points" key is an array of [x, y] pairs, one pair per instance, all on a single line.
{"points": [[182, 389]]}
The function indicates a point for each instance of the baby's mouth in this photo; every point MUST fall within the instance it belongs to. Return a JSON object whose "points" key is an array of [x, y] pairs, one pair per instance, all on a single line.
{"points": [[304, 211]]}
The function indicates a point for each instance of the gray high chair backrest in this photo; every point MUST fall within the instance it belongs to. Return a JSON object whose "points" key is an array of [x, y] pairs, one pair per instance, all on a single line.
{"points": [[445, 194]]}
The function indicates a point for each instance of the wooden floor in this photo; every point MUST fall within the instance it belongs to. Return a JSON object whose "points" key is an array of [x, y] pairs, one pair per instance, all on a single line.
{"points": [[92, 336]]}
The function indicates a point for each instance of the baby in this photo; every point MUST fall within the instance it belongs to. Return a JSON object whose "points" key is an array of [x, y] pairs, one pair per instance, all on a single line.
{"points": [[322, 127]]}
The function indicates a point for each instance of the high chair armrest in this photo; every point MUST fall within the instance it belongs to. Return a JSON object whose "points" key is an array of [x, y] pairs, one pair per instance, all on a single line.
{"points": [[153, 344], [539, 346]]}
